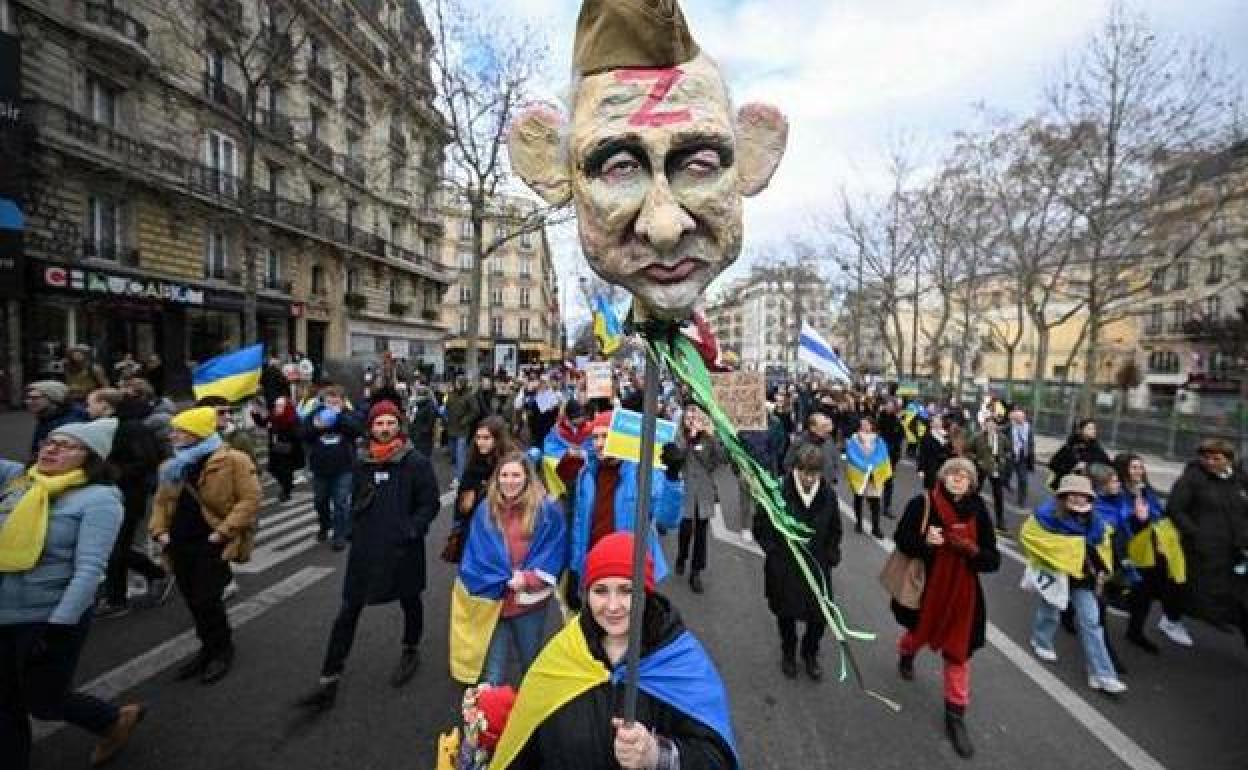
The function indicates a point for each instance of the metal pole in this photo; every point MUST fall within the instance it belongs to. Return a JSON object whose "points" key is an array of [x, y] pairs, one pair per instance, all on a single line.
{"points": [[914, 326], [641, 533]]}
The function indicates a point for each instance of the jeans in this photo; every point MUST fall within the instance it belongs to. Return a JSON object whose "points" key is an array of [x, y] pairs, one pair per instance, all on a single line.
{"points": [[38, 683], [201, 576], [335, 490], [459, 454], [525, 632], [1087, 625], [343, 634]]}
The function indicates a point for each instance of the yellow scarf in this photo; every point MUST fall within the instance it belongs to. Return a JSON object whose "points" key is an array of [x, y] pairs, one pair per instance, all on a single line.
{"points": [[22, 536]]}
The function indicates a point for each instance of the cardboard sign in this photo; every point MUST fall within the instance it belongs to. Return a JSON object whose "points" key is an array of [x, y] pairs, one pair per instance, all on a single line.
{"points": [[624, 437], [598, 380], [743, 396]]}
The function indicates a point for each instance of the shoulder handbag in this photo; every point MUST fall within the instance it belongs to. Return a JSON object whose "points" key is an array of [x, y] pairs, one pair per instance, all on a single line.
{"points": [[903, 576]]}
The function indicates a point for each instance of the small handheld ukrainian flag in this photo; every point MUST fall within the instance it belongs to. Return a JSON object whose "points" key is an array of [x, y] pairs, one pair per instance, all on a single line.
{"points": [[607, 327], [234, 376]]}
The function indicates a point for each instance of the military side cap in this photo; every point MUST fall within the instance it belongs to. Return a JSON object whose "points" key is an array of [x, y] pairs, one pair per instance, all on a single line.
{"points": [[631, 34]]}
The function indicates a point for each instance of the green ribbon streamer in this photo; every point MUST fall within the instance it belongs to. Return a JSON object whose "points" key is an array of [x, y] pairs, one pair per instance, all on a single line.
{"points": [[685, 362]]}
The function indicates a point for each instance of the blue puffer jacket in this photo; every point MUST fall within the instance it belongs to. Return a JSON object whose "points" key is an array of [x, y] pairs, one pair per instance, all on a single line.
{"points": [[81, 530], [667, 499]]}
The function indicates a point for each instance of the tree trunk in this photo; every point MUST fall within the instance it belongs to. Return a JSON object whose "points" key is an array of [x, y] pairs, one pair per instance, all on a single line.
{"points": [[251, 326], [1038, 367], [1092, 335], [477, 212], [1009, 374]]}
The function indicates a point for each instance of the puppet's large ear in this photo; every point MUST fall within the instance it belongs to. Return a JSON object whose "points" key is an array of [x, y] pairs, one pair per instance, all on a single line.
{"points": [[762, 133], [534, 144]]}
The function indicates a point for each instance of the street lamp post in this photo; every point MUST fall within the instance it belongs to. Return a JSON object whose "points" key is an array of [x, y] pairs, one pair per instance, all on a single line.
{"points": [[914, 326]]}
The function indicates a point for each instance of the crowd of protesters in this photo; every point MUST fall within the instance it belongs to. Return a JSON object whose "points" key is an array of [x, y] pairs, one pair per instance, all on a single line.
{"points": [[538, 506]]}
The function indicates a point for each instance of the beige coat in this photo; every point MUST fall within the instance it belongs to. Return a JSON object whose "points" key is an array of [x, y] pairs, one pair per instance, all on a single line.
{"points": [[229, 496]]}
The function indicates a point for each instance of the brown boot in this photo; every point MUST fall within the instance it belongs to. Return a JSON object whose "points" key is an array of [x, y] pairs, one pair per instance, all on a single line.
{"points": [[118, 735]]}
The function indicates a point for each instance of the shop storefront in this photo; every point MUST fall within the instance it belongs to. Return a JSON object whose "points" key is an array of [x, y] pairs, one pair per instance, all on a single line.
{"points": [[421, 345], [219, 327]]}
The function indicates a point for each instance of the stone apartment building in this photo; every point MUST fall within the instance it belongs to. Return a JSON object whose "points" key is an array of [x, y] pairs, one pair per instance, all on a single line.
{"points": [[520, 321], [138, 125], [757, 316]]}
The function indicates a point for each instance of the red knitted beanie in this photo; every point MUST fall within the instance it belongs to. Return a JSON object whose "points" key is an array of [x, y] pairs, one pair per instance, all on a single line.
{"points": [[612, 557]]}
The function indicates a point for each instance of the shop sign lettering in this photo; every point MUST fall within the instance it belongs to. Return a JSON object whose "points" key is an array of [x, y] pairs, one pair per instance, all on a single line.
{"points": [[95, 282]]}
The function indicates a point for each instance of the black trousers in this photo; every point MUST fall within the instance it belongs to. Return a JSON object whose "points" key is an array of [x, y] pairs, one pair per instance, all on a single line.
{"points": [[37, 665], [998, 497], [343, 634], [810, 639], [1155, 585], [886, 498], [874, 504], [693, 532], [124, 558], [201, 576]]}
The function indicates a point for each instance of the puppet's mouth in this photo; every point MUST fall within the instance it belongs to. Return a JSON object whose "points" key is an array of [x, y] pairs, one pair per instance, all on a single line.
{"points": [[667, 274]]}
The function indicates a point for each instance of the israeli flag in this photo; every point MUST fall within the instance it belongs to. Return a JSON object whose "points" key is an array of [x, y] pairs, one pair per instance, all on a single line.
{"points": [[815, 351]]}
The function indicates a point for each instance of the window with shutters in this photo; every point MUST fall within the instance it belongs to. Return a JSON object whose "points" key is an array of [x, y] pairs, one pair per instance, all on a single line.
{"points": [[105, 227]]}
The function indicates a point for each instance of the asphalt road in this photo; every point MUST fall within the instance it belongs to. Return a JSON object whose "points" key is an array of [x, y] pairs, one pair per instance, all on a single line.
{"points": [[1184, 709]]}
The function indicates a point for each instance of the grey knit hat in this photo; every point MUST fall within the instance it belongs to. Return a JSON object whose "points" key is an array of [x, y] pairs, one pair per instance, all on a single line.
{"points": [[96, 435], [54, 390]]}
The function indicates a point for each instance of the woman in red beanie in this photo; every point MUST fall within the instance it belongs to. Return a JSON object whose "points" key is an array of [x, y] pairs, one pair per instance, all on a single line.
{"points": [[566, 715]]}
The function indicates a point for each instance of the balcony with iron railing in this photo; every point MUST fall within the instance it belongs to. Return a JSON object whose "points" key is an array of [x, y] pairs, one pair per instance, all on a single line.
{"points": [[116, 23], [218, 92], [275, 124], [277, 285], [321, 78], [320, 151], [353, 169], [356, 104], [79, 135]]}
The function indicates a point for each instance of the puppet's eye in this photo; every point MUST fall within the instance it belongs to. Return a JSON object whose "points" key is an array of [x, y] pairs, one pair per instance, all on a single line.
{"points": [[701, 163], [621, 167]]}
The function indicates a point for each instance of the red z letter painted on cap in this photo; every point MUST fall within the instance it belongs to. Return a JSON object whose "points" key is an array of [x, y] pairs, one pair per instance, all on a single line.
{"points": [[663, 81]]}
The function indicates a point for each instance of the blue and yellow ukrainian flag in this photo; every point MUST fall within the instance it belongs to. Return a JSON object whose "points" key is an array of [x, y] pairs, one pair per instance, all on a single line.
{"points": [[481, 585], [862, 468], [607, 328], [234, 376]]}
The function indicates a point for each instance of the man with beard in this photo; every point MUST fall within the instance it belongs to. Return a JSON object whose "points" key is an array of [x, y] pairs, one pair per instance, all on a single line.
{"points": [[394, 500]]}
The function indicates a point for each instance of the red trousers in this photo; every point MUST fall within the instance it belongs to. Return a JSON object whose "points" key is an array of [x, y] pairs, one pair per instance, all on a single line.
{"points": [[957, 675]]}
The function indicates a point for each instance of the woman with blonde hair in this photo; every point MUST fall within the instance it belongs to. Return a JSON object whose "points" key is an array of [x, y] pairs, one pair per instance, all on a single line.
{"points": [[515, 552]]}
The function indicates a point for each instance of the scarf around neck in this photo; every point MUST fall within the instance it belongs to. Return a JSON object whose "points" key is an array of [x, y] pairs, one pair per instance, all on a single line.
{"points": [[383, 451], [808, 498], [175, 470], [947, 614], [24, 532]]}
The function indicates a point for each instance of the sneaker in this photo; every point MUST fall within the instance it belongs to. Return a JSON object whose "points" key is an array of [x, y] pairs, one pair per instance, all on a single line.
{"points": [[106, 609], [1107, 684], [1048, 655], [747, 535], [1175, 631], [231, 590]]}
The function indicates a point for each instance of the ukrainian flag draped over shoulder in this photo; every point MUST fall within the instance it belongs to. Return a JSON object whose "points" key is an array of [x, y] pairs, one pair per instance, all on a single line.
{"points": [[680, 674], [477, 595], [233, 376], [862, 469], [1049, 545], [553, 449]]}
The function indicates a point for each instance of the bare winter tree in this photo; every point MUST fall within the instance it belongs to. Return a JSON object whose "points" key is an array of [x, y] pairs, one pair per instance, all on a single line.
{"points": [[248, 60], [486, 68], [1130, 104], [881, 233]]}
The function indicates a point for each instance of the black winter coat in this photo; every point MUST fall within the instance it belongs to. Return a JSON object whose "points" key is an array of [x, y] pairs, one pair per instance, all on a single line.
{"points": [[932, 455], [423, 418], [1073, 452], [392, 505], [1212, 516], [579, 735], [788, 595], [894, 435], [911, 540], [331, 450], [137, 452]]}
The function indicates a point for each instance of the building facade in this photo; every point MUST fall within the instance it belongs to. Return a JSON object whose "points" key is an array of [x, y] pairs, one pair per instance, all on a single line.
{"points": [[520, 318], [759, 317], [140, 224]]}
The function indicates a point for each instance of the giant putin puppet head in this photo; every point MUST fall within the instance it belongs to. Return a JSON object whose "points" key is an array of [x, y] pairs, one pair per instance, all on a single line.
{"points": [[654, 156]]}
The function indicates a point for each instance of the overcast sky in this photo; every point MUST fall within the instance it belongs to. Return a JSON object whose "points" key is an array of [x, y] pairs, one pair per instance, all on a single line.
{"points": [[852, 74]]}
